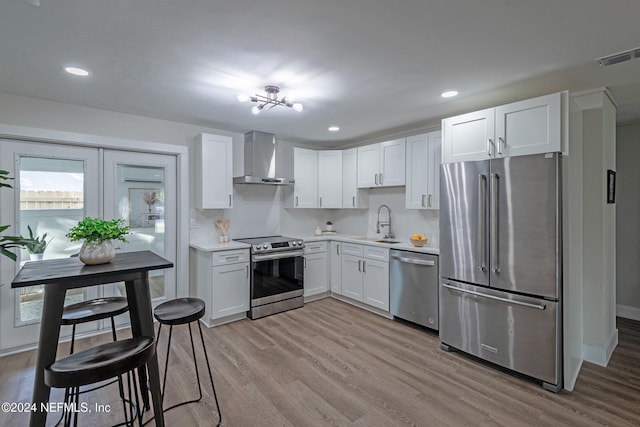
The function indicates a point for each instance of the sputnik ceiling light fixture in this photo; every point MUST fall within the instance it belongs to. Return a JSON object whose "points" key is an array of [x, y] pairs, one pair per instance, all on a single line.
{"points": [[269, 100]]}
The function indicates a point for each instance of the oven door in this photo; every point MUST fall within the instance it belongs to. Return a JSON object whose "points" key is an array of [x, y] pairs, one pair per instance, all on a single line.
{"points": [[276, 277]]}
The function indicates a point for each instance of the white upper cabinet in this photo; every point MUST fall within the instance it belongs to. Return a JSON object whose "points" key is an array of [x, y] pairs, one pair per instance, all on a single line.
{"points": [[469, 136], [423, 171], [532, 126], [529, 127], [330, 179], [352, 197], [392, 158], [382, 164], [213, 172], [368, 165], [305, 173]]}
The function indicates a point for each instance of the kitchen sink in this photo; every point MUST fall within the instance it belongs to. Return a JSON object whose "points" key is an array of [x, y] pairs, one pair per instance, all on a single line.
{"points": [[378, 240]]}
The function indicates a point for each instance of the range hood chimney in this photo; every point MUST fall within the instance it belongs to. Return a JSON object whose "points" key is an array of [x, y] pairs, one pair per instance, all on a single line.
{"points": [[260, 160]]}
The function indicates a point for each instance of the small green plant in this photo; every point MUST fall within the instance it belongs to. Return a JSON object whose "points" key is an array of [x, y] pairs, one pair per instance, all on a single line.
{"points": [[98, 230], [37, 244], [8, 242]]}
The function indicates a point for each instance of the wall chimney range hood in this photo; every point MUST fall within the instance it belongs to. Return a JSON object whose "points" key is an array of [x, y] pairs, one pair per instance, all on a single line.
{"points": [[260, 160]]}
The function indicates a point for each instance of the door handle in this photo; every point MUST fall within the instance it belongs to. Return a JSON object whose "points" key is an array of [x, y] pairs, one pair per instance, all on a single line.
{"points": [[495, 220], [364, 266], [229, 199], [415, 261], [376, 179], [430, 197], [423, 204], [337, 249], [353, 201], [489, 144], [360, 265], [482, 221], [320, 201], [296, 201], [501, 140], [495, 298], [247, 271], [305, 262], [380, 179]]}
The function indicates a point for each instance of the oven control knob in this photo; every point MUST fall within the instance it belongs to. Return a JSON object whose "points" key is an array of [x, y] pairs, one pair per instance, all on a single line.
{"points": [[300, 242], [257, 248], [294, 243], [265, 246]]}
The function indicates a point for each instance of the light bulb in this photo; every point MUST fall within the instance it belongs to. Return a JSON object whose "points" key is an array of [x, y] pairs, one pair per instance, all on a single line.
{"points": [[256, 110], [297, 106], [334, 128], [449, 93], [243, 98]]}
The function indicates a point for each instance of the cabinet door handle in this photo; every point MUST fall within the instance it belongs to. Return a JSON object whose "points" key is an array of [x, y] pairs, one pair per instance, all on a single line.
{"points": [[305, 262], [423, 197], [364, 266], [376, 179], [430, 197], [489, 144], [296, 201], [380, 179], [232, 258], [360, 265], [353, 201], [247, 271], [229, 199], [337, 249], [320, 201], [501, 140]]}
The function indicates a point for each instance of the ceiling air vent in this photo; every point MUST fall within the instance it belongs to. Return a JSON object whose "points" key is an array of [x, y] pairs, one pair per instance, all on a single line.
{"points": [[616, 58]]}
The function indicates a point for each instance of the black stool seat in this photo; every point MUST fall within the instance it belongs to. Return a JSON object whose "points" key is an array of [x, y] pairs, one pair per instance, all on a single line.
{"points": [[99, 363], [95, 309], [179, 311]]}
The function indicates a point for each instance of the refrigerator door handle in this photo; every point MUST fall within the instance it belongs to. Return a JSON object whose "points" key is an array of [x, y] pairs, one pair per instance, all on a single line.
{"points": [[495, 250], [540, 306], [482, 221]]}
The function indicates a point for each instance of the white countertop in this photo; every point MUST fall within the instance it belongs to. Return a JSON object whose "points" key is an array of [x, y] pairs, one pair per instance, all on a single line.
{"points": [[404, 245], [213, 246]]}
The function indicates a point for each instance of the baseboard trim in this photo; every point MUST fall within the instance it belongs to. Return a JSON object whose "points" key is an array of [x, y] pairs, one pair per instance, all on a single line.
{"points": [[628, 312], [601, 355]]}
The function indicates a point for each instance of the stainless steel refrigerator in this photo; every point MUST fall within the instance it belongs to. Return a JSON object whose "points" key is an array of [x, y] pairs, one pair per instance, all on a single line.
{"points": [[501, 265]]}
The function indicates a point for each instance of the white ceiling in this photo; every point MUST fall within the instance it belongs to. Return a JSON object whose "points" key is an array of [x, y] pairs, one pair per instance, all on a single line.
{"points": [[372, 67]]}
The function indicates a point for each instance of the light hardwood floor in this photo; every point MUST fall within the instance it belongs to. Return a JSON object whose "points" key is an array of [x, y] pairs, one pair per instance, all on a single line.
{"points": [[331, 364]]}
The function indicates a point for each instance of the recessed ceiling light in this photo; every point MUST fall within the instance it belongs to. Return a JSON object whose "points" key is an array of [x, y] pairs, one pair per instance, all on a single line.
{"points": [[77, 71], [449, 93], [334, 128]]}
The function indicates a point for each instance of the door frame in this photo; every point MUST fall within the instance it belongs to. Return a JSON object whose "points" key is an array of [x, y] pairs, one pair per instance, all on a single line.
{"points": [[181, 152]]}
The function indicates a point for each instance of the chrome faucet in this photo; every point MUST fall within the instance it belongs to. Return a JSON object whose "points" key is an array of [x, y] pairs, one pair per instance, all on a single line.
{"points": [[390, 233]]}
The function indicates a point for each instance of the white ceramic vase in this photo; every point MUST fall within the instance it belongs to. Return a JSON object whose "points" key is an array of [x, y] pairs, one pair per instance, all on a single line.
{"points": [[92, 253]]}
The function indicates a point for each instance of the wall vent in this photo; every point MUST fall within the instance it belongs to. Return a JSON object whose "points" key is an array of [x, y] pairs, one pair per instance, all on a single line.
{"points": [[619, 57]]}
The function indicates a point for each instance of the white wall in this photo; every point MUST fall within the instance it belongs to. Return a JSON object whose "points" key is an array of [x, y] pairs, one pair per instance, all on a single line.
{"points": [[628, 220]]}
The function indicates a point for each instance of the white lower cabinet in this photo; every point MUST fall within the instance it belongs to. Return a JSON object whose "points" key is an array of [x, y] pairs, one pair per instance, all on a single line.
{"points": [[315, 269], [221, 279], [365, 274], [335, 267]]}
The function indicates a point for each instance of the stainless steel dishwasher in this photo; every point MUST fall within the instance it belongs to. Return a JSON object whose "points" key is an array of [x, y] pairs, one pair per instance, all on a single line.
{"points": [[413, 287]]}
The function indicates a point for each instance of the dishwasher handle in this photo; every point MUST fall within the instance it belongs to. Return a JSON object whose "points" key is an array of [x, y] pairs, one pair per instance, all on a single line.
{"points": [[416, 261]]}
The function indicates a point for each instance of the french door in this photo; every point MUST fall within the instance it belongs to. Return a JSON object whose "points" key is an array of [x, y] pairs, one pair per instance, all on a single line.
{"points": [[55, 186]]}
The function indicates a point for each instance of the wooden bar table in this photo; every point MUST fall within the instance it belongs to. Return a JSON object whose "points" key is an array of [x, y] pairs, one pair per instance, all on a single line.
{"points": [[59, 275]]}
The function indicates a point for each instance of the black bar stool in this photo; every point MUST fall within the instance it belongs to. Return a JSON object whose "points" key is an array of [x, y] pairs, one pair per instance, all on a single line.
{"points": [[94, 309], [97, 364], [179, 312]]}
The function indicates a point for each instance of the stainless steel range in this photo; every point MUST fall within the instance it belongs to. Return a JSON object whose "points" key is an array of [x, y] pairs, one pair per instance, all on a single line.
{"points": [[277, 274]]}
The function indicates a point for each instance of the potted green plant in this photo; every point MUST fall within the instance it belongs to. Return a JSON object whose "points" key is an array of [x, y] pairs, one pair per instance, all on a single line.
{"points": [[36, 245], [98, 235], [9, 242], [329, 226]]}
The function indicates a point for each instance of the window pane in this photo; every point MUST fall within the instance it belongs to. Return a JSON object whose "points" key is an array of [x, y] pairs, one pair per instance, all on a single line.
{"points": [[51, 202]]}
